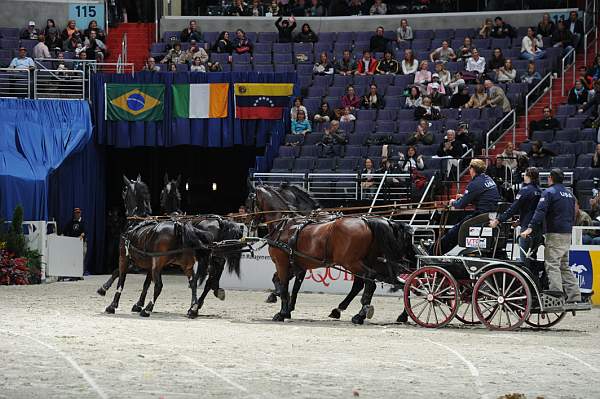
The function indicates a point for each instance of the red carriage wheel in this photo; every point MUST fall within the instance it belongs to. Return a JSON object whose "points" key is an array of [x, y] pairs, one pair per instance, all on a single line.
{"points": [[545, 320], [502, 299], [431, 297], [466, 312]]}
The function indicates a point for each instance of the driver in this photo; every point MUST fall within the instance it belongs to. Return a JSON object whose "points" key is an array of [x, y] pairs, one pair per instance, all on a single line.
{"points": [[482, 192]]}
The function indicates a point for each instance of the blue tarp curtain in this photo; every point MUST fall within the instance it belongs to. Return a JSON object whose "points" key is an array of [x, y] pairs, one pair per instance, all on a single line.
{"points": [[225, 132]]}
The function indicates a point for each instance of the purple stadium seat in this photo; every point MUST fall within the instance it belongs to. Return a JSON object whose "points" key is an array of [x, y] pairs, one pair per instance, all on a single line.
{"points": [[575, 122], [347, 127], [261, 59], [461, 33], [482, 43], [546, 135], [427, 150], [404, 80], [324, 80], [356, 150], [263, 68], [587, 135], [286, 151], [221, 58], [336, 91], [587, 147], [304, 58], [302, 69], [363, 36], [584, 160], [303, 165], [366, 114], [421, 45], [374, 151], [341, 80], [500, 43], [322, 47], [365, 126], [325, 165], [394, 90], [284, 68], [283, 164], [9, 43], [282, 58], [345, 37], [262, 48], [567, 135], [210, 37], [450, 113], [406, 126], [383, 80], [362, 80], [334, 102], [282, 48], [183, 67], [9, 33], [406, 115], [226, 67], [566, 110], [432, 163], [360, 47], [308, 150], [241, 58], [387, 115], [158, 47], [168, 35], [443, 34], [386, 126], [316, 91], [347, 164], [340, 47], [312, 105], [302, 48], [267, 37], [394, 102], [422, 34], [241, 68], [304, 81]]}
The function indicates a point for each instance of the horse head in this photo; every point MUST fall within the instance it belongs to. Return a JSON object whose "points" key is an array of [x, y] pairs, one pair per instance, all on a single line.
{"points": [[170, 197], [136, 197]]}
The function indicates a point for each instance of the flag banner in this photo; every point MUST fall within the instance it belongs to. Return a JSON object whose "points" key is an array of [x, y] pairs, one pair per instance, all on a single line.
{"points": [[261, 100], [134, 102], [204, 100]]}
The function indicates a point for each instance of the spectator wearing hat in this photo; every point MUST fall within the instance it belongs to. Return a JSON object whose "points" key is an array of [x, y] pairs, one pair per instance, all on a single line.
{"points": [[41, 50], [76, 226], [191, 33], [175, 55], [22, 61], [435, 80], [30, 32], [437, 98], [53, 39], [69, 31]]}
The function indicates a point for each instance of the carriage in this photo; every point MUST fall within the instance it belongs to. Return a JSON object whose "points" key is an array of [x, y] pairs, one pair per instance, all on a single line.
{"points": [[482, 285]]}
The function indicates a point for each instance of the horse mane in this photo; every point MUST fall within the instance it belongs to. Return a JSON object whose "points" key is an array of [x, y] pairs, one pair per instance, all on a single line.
{"points": [[285, 205], [301, 194], [141, 192]]}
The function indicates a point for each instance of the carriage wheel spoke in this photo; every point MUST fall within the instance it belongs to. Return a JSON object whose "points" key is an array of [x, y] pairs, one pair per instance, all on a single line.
{"points": [[503, 283], [513, 312], [501, 307], [444, 290], [435, 314], [509, 286], [444, 313], [428, 312], [440, 285], [515, 291], [467, 306], [495, 283], [488, 301], [508, 317], [495, 291], [420, 291], [422, 310], [516, 298], [421, 303], [516, 306]]}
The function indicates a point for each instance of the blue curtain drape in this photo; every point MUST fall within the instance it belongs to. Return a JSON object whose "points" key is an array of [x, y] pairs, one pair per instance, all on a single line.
{"points": [[225, 132]]}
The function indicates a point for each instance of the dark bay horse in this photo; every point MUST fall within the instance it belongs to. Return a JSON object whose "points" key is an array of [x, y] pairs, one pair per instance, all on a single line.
{"points": [[170, 197], [371, 248]]}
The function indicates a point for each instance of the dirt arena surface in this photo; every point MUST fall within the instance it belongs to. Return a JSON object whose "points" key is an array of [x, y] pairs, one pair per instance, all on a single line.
{"points": [[56, 342]]}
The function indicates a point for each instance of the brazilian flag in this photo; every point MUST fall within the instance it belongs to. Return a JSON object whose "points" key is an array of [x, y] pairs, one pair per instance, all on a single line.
{"points": [[134, 102]]}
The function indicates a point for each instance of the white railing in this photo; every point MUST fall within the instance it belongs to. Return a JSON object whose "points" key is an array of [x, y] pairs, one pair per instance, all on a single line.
{"points": [[538, 98], [423, 197], [15, 83], [321, 186], [124, 48], [589, 18], [63, 84], [564, 69], [512, 114]]}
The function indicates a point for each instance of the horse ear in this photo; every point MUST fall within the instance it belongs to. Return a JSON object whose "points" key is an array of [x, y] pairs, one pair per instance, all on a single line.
{"points": [[178, 180], [139, 178], [126, 180], [251, 185], [166, 178]]}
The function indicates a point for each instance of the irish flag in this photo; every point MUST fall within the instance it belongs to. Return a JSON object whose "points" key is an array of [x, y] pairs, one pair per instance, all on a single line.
{"points": [[204, 100]]}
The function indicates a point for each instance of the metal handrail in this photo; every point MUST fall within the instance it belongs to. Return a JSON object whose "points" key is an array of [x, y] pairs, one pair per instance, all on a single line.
{"points": [[563, 70], [512, 114], [378, 191], [124, 47], [59, 75], [425, 193], [16, 72], [593, 28], [532, 91]]}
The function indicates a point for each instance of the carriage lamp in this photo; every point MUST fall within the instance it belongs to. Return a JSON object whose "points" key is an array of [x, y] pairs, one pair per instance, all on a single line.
{"points": [[214, 186]]}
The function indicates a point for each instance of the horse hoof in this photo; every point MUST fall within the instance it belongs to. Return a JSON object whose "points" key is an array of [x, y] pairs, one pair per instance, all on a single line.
{"points": [[110, 310], [101, 291], [272, 298], [192, 314], [335, 314], [403, 318], [143, 313], [220, 293], [369, 311], [358, 319], [136, 308], [278, 317]]}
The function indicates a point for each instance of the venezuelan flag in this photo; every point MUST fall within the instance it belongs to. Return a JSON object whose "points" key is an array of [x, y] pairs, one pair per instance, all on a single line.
{"points": [[134, 102], [261, 100]]}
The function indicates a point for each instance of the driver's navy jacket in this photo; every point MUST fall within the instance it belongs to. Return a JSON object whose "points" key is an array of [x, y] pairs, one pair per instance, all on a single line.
{"points": [[524, 205], [482, 192], [557, 208]]}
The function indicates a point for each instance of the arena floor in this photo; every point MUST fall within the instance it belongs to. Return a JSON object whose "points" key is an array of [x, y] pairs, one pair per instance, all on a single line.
{"points": [[56, 342]]}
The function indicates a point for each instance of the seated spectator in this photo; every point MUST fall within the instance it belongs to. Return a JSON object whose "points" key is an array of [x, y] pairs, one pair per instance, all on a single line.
{"points": [[378, 8], [423, 76], [257, 9], [53, 40], [507, 73], [437, 98], [41, 50], [30, 32], [301, 125], [409, 64], [213, 67], [593, 102], [151, 65], [197, 65], [93, 26], [548, 122], [191, 33], [501, 29], [378, 43], [435, 80], [562, 37], [500, 174], [74, 44], [324, 114], [356, 7], [411, 161], [578, 95], [445, 78], [306, 35], [427, 110], [80, 65], [450, 148], [463, 137], [323, 66], [414, 98], [60, 63], [298, 8], [546, 27], [583, 219], [316, 9], [479, 99], [496, 96], [373, 99], [583, 76], [388, 65], [531, 77], [50, 24], [539, 156], [285, 29], [496, 61], [241, 44], [350, 99], [22, 61], [531, 46], [175, 56], [475, 64], [346, 65], [275, 10], [333, 141], [422, 135], [195, 51], [95, 48], [461, 98], [593, 71], [368, 182], [69, 31], [347, 116], [404, 32], [238, 9], [456, 82], [464, 51], [367, 65], [575, 25], [486, 28], [444, 53], [510, 156], [596, 157], [223, 44], [298, 106]]}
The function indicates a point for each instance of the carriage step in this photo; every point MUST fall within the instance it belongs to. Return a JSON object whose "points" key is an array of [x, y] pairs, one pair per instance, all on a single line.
{"points": [[551, 302], [583, 306]]}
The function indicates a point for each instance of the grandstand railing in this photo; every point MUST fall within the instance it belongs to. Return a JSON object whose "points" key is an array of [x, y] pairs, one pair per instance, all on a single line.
{"points": [[65, 84], [590, 25], [568, 180], [15, 83], [124, 48], [425, 195], [535, 91], [564, 68], [511, 115]]}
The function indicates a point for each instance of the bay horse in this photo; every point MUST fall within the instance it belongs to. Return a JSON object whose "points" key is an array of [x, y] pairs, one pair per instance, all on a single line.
{"points": [[170, 197], [371, 248]]}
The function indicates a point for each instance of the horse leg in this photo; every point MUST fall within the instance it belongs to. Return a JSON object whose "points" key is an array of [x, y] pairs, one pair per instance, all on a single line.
{"points": [[105, 287], [215, 277], [282, 272], [272, 298], [123, 263], [297, 284], [357, 286], [366, 312], [140, 303], [157, 277], [193, 282]]}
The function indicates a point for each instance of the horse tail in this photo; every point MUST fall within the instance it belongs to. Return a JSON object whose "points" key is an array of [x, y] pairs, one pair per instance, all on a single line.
{"points": [[386, 240], [231, 231]]}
